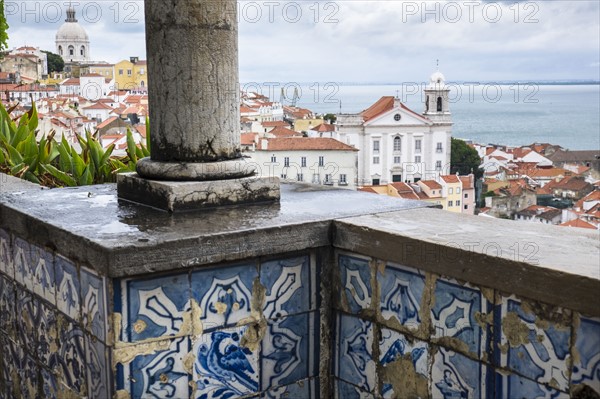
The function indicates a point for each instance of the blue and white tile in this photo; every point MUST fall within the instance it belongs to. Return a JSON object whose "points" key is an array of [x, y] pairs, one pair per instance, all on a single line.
{"points": [[21, 262], [516, 387], [98, 379], [7, 306], [160, 374], [50, 386], [354, 352], [42, 266], [455, 312], [288, 350], [28, 314], [456, 376], [401, 295], [355, 275], [68, 295], [224, 294], [586, 366], [306, 389], [93, 306], [394, 346], [289, 287], [10, 363], [6, 255], [543, 355], [223, 368], [156, 307], [47, 333], [28, 376], [344, 390], [70, 361]]}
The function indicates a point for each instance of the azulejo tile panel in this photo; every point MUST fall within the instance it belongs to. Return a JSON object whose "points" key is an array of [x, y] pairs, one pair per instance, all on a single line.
{"points": [[98, 378], [289, 287], [42, 268], [459, 311], [160, 374], [516, 387], [223, 367], [354, 352], [68, 286], [343, 390], [586, 365], [305, 389], [355, 275], [6, 256], [28, 376], [21, 262], [7, 306], [288, 351], [28, 315], [456, 376], [10, 364], [224, 294], [401, 294], [531, 346], [155, 307], [93, 306], [70, 360], [394, 346], [47, 333], [49, 384]]}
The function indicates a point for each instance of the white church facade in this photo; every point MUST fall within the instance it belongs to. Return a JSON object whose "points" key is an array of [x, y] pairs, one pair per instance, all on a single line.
{"points": [[397, 144], [72, 41]]}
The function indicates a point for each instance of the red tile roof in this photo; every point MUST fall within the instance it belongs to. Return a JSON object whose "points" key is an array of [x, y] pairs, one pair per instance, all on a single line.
{"points": [[450, 179], [468, 182], [432, 184], [248, 138], [280, 132], [324, 127], [579, 223], [384, 104], [307, 144], [275, 124]]}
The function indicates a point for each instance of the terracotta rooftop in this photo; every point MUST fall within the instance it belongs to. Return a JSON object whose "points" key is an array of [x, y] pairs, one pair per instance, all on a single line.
{"points": [[579, 223], [384, 104], [572, 183], [307, 144], [324, 127], [575, 156], [450, 179], [248, 138], [432, 184], [275, 124], [468, 182], [280, 132]]}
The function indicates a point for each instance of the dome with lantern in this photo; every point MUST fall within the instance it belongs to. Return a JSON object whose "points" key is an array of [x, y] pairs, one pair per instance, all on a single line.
{"points": [[437, 80], [72, 41]]}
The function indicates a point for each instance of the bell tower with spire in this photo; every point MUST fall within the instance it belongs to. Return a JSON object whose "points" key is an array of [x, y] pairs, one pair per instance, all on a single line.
{"points": [[437, 107]]}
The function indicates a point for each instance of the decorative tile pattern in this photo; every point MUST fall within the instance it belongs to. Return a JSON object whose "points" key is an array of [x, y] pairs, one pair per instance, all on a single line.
{"points": [[288, 350], [223, 368], [455, 314], [156, 306], [586, 366], [393, 346], [516, 387], [289, 285], [49, 384], [68, 298], [7, 306], [28, 313], [98, 368], [6, 257], [540, 354], [70, 361], [306, 389], [10, 364], [42, 267], [343, 390], [401, 294], [47, 333], [224, 294], [354, 352], [355, 277], [21, 262], [28, 376], [456, 376], [93, 304], [161, 374]]}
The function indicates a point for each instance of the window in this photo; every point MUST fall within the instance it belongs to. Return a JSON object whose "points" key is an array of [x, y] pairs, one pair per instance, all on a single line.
{"points": [[466, 207], [142, 84], [141, 71], [432, 192], [397, 160], [82, 51], [450, 191], [343, 179], [457, 190], [273, 159], [396, 178], [450, 204], [457, 203], [439, 104], [438, 165], [71, 50], [397, 144], [286, 161], [321, 161], [375, 145], [375, 182], [129, 72], [418, 145], [418, 159], [316, 179], [303, 162], [60, 51], [120, 72], [439, 147], [466, 195], [283, 176], [300, 177], [328, 179], [376, 160]]}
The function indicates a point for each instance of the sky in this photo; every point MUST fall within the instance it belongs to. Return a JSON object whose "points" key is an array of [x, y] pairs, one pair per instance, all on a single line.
{"points": [[360, 41]]}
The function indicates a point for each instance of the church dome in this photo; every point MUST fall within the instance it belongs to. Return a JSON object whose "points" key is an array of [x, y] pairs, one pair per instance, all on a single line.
{"points": [[72, 41], [72, 32]]}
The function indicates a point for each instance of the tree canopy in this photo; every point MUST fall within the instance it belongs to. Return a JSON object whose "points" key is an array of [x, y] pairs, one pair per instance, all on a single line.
{"points": [[55, 62], [464, 159], [3, 28]]}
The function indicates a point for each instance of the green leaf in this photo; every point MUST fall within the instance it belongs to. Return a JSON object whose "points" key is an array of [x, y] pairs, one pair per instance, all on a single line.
{"points": [[131, 147], [33, 118], [14, 155], [78, 165], [60, 175]]}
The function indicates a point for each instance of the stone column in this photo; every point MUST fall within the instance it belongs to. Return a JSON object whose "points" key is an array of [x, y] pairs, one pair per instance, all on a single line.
{"points": [[193, 87]]}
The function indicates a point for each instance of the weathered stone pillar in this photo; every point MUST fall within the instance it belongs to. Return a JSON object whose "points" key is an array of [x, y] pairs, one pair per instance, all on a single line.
{"points": [[193, 89]]}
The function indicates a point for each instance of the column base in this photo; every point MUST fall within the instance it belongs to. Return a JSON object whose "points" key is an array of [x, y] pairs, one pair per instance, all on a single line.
{"points": [[174, 196]]}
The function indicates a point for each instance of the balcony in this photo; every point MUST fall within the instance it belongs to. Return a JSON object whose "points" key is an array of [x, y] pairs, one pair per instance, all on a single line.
{"points": [[330, 293]]}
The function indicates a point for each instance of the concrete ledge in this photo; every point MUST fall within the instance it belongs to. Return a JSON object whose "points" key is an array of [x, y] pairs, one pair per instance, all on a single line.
{"points": [[175, 196]]}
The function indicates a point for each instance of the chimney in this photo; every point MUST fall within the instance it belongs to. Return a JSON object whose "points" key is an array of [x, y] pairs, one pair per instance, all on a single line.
{"points": [[264, 144]]}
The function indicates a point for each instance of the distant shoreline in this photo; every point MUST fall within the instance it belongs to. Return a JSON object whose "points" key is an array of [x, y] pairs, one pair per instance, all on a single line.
{"points": [[502, 83]]}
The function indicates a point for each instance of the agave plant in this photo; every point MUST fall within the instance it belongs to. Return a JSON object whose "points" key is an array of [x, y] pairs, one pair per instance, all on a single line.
{"points": [[135, 153]]}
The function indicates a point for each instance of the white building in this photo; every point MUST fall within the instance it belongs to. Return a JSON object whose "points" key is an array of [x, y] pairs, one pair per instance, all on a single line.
{"points": [[72, 41], [397, 144], [316, 160]]}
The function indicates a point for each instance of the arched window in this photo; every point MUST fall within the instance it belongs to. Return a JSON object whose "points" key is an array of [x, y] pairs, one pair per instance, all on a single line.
{"points": [[82, 51], [60, 52], [397, 143], [142, 84], [439, 104], [427, 104], [71, 50]]}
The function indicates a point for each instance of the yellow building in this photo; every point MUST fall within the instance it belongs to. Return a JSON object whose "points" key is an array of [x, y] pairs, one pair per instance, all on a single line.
{"points": [[131, 74], [106, 70], [452, 189], [304, 125]]}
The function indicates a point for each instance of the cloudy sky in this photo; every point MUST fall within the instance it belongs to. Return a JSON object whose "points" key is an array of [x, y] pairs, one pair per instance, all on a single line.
{"points": [[360, 41]]}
